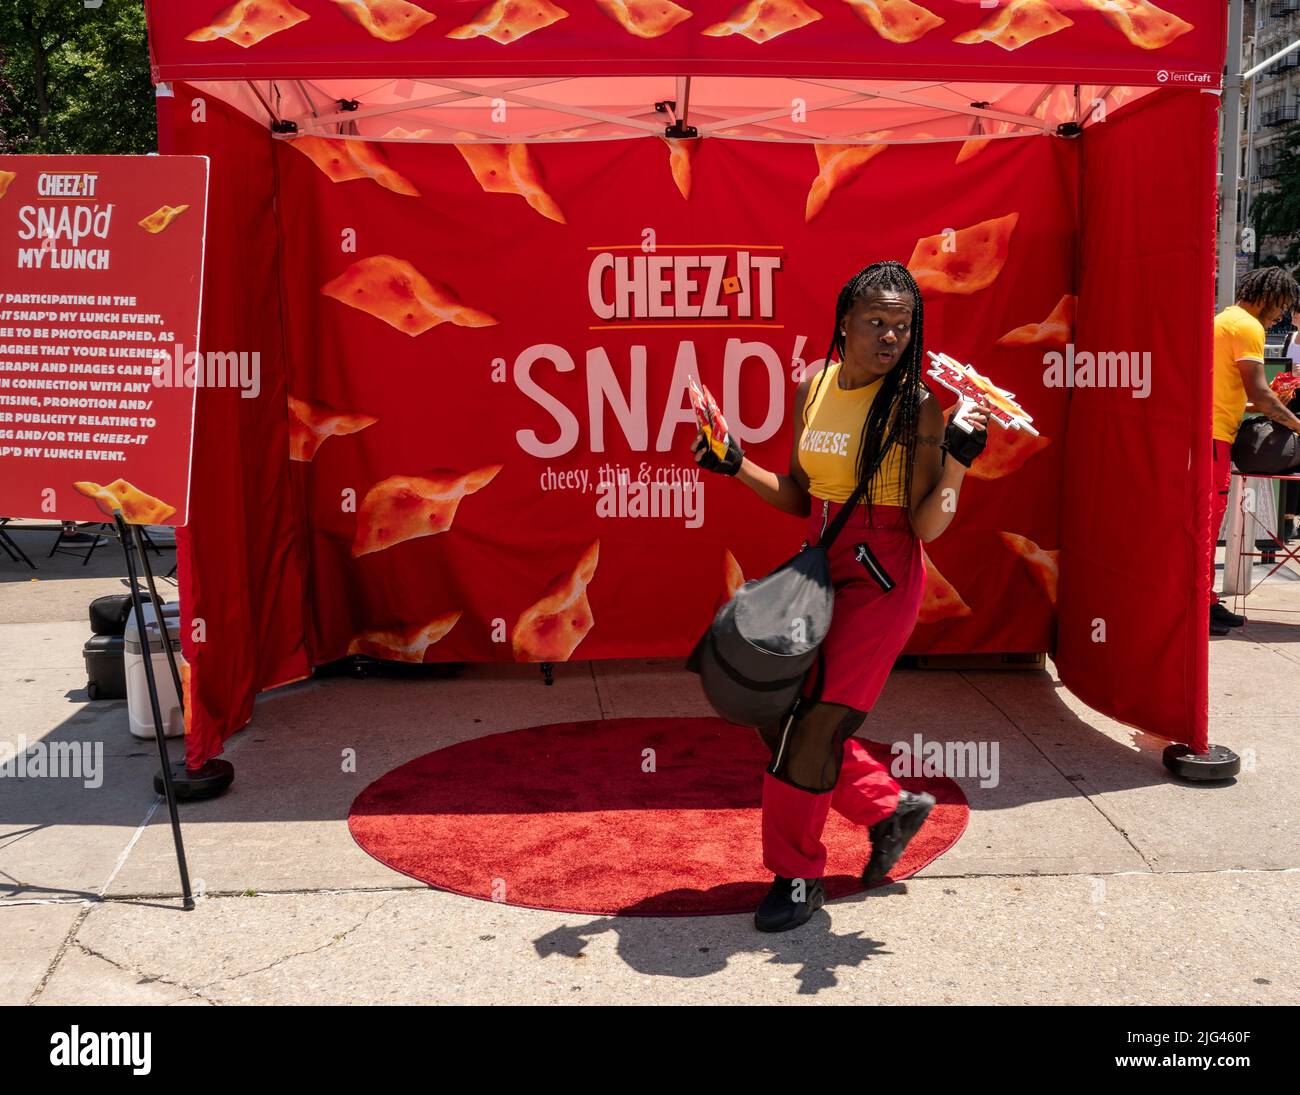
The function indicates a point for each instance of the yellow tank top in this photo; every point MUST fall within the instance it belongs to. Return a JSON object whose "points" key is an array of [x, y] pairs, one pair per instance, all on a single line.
{"points": [[832, 437]]}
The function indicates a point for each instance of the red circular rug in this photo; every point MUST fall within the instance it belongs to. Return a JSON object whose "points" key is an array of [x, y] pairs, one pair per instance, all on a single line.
{"points": [[581, 817]]}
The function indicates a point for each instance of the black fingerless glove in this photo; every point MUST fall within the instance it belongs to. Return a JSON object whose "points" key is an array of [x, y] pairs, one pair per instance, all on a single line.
{"points": [[963, 446], [724, 459]]}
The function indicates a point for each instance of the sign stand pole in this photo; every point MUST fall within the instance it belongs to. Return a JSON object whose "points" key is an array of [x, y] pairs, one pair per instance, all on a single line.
{"points": [[137, 538], [131, 539], [216, 775]]}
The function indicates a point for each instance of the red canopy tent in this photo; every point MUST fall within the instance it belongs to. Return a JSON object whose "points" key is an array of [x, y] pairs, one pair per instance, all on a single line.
{"points": [[479, 246]]}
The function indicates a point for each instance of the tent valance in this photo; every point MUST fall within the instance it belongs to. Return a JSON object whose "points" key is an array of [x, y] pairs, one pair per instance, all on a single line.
{"points": [[1125, 42]]}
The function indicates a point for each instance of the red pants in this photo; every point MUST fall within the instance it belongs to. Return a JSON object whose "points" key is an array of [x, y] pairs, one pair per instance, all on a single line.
{"points": [[793, 819], [1220, 477], [868, 630]]}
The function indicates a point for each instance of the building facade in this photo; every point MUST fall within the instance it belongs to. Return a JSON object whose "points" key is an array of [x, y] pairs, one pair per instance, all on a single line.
{"points": [[1271, 106]]}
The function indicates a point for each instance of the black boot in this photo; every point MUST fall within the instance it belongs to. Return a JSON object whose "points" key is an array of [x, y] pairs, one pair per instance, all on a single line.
{"points": [[889, 838], [779, 912], [1221, 615]]}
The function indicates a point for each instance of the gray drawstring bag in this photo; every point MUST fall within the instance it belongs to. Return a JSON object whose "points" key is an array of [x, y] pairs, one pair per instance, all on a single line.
{"points": [[754, 657]]}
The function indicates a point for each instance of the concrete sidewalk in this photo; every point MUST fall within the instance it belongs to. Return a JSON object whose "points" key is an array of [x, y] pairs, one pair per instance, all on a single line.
{"points": [[1088, 875]]}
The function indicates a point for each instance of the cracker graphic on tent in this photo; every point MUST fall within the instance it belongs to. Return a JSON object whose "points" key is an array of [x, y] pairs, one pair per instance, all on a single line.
{"points": [[187, 695], [1005, 451], [507, 21], [6, 179], [406, 507], [510, 169], [974, 262], [645, 18], [762, 20], [898, 21], [1143, 23], [387, 20], [344, 160], [393, 290], [137, 507], [941, 600], [161, 217], [310, 424], [1056, 330], [1058, 105], [1016, 25], [681, 152], [551, 629], [838, 165], [249, 21], [407, 644], [732, 576], [976, 145], [1043, 564]]}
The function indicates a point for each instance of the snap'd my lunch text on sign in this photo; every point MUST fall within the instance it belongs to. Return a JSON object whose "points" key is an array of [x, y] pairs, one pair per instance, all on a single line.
{"points": [[68, 224]]}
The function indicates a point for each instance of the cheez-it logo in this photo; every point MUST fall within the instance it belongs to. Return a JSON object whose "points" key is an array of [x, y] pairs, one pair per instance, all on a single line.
{"points": [[684, 283], [67, 184]]}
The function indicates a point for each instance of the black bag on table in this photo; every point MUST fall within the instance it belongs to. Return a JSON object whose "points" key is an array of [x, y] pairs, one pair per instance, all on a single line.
{"points": [[1265, 447], [108, 614], [754, 657]]}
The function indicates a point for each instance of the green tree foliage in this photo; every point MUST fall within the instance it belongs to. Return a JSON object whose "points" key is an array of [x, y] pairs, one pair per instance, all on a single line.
{"points": [[1276, 212], [74, 77]]}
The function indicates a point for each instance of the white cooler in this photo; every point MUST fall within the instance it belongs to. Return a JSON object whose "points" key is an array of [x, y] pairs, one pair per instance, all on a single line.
{"points": [[139, 712]]}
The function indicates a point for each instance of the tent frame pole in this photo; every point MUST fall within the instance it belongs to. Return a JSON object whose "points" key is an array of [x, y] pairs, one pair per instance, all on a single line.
{"points": [[314, 122], [1230, 160]]}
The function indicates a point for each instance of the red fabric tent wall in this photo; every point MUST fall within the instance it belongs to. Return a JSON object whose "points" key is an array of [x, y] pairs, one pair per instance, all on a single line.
{"points": [[436, 404], [239, 558], [1135, 538]]}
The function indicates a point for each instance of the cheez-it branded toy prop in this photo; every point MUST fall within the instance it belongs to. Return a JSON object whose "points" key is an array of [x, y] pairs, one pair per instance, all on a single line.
{"points": [[970, 387], [710, 419]]}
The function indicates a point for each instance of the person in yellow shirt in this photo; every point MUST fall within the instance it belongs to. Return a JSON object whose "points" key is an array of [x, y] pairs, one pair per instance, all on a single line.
{"points": [[867, 418], [1263, 297]]}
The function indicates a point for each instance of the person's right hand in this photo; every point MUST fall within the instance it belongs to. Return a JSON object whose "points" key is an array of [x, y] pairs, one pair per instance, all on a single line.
{"points": [[964, 446], [707, 457]]}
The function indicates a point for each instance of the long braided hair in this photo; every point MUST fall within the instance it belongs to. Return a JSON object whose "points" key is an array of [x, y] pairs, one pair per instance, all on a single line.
{"points": [[894, 412]]}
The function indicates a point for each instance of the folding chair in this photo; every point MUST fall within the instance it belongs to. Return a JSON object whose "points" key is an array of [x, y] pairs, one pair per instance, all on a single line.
{"points": [[10, 545]]}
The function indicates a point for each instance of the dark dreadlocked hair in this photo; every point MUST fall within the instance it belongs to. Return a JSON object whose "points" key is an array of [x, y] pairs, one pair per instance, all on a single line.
{"points": [[899, 399], [1269, 284]]}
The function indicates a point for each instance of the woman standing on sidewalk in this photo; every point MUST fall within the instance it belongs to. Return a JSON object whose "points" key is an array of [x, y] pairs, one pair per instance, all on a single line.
{"points": [[871, 400]]}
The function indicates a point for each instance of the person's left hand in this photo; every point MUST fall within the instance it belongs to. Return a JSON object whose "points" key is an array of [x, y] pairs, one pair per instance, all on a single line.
{"points": [[963, 446]]}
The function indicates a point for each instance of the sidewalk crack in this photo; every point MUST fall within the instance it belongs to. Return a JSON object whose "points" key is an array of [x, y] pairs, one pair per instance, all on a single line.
{"points": [[338, 938], [145, 978]]}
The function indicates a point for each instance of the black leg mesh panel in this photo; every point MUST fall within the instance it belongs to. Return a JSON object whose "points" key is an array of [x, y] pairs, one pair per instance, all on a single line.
{"points": [[813, 749]]}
